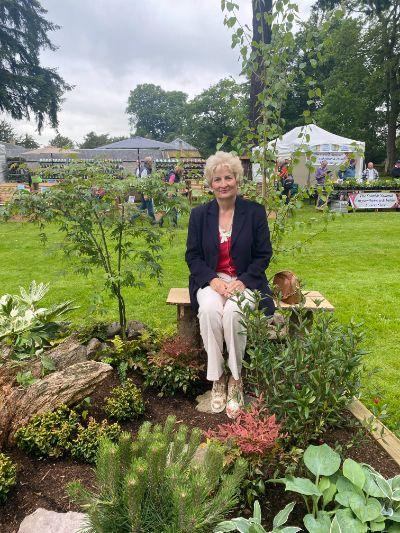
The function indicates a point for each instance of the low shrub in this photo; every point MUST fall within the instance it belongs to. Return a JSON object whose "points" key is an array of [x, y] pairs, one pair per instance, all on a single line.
{"points": [[62, 432], [345, 497], [8, 476], [85, 445], [307, 378], [175, 367], [125, 402], [255, 436], [153, 484], [48, 434]]}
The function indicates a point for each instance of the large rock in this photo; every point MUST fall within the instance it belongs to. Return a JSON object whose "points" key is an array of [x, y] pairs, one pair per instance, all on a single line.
{"points": [[93, 347], [68, 386], [133, 329], [43, 521]]}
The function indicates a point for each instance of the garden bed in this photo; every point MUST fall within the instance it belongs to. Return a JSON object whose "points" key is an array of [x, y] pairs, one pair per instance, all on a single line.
{"points": [[41, 483]]}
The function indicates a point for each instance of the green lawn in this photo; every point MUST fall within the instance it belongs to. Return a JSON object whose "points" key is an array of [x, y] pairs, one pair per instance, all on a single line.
{"points": [[355, 264]]}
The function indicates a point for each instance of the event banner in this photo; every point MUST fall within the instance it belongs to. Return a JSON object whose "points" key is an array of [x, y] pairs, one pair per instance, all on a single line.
{"points": [[334, 159], [375, 200]]}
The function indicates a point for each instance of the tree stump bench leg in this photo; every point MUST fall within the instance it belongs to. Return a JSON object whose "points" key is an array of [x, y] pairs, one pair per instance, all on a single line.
{"points": [[188, 325]]}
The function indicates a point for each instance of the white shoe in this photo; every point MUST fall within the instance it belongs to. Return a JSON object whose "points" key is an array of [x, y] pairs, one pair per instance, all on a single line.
{"points": [[235, 401], [218, 396]]}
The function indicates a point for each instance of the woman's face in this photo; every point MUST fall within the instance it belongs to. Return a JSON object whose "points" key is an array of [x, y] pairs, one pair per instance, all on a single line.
{"points": [[224, 184]]}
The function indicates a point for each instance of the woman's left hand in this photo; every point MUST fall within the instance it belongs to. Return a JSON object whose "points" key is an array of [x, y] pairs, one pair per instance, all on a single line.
{"points": [[236, 286]]}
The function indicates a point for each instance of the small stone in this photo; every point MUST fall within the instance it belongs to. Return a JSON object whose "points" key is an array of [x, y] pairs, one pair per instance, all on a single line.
{"points": [[113, 329], [204, 402], [133, 328], [44, 521], [93, 347]]}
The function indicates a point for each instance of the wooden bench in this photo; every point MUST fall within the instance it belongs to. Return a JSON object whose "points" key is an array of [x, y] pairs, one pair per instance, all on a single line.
{"points": [[187, 320]]}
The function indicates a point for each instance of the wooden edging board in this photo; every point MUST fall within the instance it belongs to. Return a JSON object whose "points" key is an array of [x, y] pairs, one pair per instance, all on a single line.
{"points": [[388, 440]]}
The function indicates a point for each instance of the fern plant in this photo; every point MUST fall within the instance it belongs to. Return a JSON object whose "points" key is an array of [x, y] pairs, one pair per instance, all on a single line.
{"points": [[154, 483]]}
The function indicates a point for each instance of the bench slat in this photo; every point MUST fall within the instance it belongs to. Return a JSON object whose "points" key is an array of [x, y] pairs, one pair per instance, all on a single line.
{"points": [[180, 296]]}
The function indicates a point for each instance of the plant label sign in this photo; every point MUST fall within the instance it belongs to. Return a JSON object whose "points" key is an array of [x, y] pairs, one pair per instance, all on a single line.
{"points": [[374, 200]]}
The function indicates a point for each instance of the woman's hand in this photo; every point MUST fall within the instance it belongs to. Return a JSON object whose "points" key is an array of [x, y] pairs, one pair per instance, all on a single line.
{"points": [[236, 286], [220, 286]]}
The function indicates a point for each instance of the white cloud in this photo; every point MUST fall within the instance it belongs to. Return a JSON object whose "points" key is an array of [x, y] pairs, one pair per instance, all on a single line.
{"points": [[108, 47]]}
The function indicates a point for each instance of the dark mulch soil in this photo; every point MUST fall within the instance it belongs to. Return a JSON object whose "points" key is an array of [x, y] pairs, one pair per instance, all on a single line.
{"points": [[41, 483]]}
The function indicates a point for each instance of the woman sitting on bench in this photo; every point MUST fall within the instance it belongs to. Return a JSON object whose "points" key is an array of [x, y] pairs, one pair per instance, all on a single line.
{"points": [[228, 250]]}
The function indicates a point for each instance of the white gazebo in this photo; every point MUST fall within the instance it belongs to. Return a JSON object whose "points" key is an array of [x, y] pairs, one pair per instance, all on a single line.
{"points": [[324, 145]]}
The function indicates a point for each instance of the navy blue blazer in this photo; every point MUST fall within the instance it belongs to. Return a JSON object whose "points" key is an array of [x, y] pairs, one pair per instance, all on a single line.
{"points": [[251, 248]]}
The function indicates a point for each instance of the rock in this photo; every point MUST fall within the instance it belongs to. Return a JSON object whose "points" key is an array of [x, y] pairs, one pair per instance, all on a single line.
{"points": [[68, 386], [93, 347], [204, 402], [133, 328], [43, 521], [113, 329]]}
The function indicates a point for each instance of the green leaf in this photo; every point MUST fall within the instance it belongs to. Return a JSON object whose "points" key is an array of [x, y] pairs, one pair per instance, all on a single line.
{"points": [[354, 472], [383, 485], [344, 498], [335, 527], [324, 484], [302, 486], [370, 486], [377, 526], [328, 494], [394, 528], [321, 524], [225, 526], [257, 512], [321, 460], [283, 515], [365, 511], [348, 523]]}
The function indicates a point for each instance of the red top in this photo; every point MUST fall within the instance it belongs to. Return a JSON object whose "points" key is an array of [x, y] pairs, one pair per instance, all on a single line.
{"points": [[225, 263]]}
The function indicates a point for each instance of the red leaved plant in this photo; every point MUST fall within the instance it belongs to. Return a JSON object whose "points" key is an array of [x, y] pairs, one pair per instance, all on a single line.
{"points": [[177, 351], [253, 431]]}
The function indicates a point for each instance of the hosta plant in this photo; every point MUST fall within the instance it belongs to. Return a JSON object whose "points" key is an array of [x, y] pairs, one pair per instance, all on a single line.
{"points": [[27, 327], [253, 524], [348, 497]]}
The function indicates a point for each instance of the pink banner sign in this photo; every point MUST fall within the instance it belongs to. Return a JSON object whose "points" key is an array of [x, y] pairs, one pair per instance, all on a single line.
{"points": [[374, 200]]}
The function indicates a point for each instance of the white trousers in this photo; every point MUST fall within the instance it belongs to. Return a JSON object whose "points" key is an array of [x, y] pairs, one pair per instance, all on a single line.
{"points": [[219, 319]]}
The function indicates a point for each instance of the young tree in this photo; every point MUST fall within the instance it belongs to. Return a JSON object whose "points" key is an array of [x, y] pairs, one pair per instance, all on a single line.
{"points": [[156, 113], [99, 230], [27, 87], [62, 142]]}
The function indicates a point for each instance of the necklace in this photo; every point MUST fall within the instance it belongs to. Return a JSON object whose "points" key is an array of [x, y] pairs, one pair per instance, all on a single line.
{"points": [[226, 234]]}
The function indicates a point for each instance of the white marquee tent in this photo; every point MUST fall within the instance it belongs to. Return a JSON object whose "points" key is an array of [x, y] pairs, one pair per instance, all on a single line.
{"points": [[324, 145]]}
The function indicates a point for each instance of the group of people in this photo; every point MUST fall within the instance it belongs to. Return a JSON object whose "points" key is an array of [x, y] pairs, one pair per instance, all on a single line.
{"points": [[147, 203]]}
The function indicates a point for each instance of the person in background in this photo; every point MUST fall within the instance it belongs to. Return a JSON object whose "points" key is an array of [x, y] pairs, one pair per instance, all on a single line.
{"points": [[395, 172], [286, 180], [320, 177], [349, 172], [228, 250], [173, 176], [370, 173], [143, 172]]}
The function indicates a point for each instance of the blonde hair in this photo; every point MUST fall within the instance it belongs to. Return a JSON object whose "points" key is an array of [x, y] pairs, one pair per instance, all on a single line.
{"points": [[225, 159]]}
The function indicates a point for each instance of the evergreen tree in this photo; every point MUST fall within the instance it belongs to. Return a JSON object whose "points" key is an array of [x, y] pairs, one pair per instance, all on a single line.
{"points": [[153, 484], [25, 86]]}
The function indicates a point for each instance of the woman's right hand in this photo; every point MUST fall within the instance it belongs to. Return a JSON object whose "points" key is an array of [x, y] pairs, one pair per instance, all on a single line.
{"points": [[220, 286]]}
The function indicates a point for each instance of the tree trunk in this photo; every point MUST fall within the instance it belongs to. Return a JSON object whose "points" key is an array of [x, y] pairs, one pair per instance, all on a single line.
{"points": [[392, 120], [261, 34]]}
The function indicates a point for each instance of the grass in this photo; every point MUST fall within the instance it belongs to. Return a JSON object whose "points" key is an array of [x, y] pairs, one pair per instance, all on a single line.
{"points": [[355, 264]]}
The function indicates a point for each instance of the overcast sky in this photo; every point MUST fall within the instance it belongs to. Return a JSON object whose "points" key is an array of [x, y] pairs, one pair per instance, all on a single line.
{"points": [[107, 47]]}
